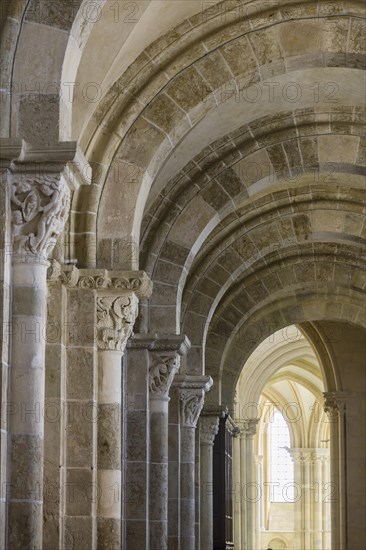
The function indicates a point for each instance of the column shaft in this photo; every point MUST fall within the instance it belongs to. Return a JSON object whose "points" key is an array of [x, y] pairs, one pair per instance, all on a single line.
{"points": [[164, 363], [187, 488], [27, 381], [317, 485], [159, 474], [307, 501], [331, 409], [243, 481], [5, 295], [325, 505], [251, 488], [237, 492], [137, 452], [192, 390], [109, 450], [174, 457], [209, 427]]}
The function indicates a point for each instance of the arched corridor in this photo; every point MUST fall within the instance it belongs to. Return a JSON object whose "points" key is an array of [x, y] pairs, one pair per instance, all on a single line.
{"points": [[287, 491], [181, 182]]}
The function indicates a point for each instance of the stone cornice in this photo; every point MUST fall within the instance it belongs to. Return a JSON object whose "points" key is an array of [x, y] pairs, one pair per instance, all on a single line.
{"points": [[100, 279]]}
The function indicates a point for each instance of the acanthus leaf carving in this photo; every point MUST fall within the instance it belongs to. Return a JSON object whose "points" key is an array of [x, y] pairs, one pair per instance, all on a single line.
{"points": [[40, 206], [116, 316], [161, 373]]}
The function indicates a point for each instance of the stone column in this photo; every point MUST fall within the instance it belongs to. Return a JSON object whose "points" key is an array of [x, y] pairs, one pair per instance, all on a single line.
{"points": [[40, 199], [250, 489], [258, 505], [192, 391], [306, 497], [334, 406], [243, 486], [136, 452], [174, 454], [237, 492], [317, 498], [101, 309], [209, 428], [325, 501], [164, 364], [296, 455], [9, 149], [116, 314]]}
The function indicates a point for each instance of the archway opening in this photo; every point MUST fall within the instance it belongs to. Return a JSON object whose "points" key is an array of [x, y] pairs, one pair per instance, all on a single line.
{"points": [[281, 457]]}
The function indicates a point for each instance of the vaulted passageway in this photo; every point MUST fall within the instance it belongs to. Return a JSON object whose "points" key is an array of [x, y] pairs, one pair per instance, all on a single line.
{"points": [[180, 182]]}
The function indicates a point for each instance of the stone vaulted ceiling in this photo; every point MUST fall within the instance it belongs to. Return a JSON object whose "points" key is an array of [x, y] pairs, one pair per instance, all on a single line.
{"points": [[228, 154]]}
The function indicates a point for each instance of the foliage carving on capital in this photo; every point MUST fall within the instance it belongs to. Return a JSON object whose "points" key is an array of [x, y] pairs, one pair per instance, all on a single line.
{"points": [[161, 373], [116, 316], [192, 404], [39, 209], [334, 405], [251, 426], [98, 279], [209, 428]]}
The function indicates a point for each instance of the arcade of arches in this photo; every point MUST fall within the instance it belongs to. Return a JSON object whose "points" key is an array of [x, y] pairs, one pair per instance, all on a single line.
{"points": [[182, 260]]}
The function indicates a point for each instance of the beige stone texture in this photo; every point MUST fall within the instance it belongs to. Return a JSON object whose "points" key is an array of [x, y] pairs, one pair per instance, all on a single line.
{"points": [[219, 147], [338, 149]]}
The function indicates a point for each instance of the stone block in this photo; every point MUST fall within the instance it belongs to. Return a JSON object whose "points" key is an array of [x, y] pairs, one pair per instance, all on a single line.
{"points": [[81, 363], [81, 419], [136, 490], [136, 431], [108, 534], [25, 521], [109, 436], [79, 533], [80, 497]]}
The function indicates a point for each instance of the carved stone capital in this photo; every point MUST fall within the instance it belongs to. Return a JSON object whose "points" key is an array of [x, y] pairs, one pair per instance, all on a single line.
{"points": [[192, 390], [209, 428], [40, 203], [116, 315], [335, 404], [320, 455], [251, 426], [40, 182], [163, 367], [192, 404], [98, 279]]}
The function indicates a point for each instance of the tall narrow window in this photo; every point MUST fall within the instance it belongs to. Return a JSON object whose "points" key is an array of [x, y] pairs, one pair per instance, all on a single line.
{"points": [[281, 466]]}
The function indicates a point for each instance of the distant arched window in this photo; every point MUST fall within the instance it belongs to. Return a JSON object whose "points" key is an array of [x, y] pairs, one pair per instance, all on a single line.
{"points": [[281, 466]]}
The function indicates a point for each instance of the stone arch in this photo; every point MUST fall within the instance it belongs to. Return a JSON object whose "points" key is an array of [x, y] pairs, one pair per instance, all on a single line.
{"points": [[224, 356], [282, 351], [278, 543], [152, 141]]}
